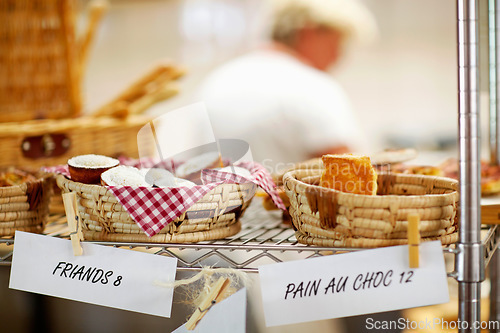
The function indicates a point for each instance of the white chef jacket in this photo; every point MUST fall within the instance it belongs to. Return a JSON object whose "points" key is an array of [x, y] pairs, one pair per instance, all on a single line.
{"points": [[285, 109]]}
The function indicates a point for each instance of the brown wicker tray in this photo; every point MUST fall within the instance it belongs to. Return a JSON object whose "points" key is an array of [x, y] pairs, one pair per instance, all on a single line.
{"points": [[328, 217], [215, 216]]}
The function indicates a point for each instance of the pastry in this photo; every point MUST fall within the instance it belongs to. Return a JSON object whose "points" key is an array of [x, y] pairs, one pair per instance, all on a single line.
{"points": [[392, 156], [88, 168], [426, 170], [349, 173], [490, 175], [176, 182], [155, 175], [123, 175], [12, 177], [191, 169], [163, 178], [267, 201], [236, 170]]}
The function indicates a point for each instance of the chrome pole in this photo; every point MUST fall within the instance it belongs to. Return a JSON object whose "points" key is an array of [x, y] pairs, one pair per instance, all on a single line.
{"points": [[495, 291], [469, 261], [494, 74], [494, 110]]}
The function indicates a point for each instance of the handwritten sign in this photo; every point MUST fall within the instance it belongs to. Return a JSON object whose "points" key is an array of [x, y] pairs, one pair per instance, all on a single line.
{"points": [[107, 276], [228, 316], [354, 283]]}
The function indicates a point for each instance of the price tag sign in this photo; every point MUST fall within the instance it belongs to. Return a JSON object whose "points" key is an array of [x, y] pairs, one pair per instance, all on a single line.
{"points": [[351, 284], [117, 278]]}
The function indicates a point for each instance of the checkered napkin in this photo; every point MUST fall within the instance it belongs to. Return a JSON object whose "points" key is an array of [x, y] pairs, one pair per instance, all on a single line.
{"points": [[153, 208], [61, 169]]}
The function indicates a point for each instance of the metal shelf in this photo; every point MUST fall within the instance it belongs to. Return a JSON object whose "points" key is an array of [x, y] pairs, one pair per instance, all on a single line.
{"points": [[264, 239]]}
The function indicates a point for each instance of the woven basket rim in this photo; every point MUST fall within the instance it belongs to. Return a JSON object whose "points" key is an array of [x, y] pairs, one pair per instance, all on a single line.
{"points": [[174, 234], [291, 175], [13, 190], [96, 187], [83, 186], [42, 126], [190, 237], [365, 243]]}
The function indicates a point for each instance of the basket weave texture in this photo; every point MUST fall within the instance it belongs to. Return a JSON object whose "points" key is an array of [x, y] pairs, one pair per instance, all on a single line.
{"points": [[39, 68], [215, 216], [103, 135], [25, 207], [326, 217]]}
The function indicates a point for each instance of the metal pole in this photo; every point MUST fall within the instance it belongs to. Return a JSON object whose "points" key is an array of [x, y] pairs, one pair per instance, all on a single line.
{"points": [[494, 74], [494, 291], [494, 108], [469, 261]]}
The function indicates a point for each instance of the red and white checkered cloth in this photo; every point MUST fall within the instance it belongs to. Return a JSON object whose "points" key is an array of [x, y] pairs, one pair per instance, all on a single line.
{"points": [[153, 208]]}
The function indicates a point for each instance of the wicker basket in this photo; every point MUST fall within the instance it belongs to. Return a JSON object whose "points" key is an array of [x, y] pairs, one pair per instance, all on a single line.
{"points": [[25, 207], [327, 217], [215, 216], [313, 163], [51, 142], [39, 64]]}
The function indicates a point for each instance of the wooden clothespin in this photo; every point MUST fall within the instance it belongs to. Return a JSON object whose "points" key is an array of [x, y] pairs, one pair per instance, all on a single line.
{"points": [[490, 214], [413, 239], [215, 296], [73, 217]]}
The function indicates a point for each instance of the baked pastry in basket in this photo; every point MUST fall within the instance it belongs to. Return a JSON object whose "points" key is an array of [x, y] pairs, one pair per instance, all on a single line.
{"points": [[12, 177], [490, 174], [326, 217], [426, 170], [123, 175], [159, 177], [88, 168], [192, 168]]}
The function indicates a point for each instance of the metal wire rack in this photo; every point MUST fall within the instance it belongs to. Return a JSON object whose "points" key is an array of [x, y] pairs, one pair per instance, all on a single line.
{"points": [[264, 239]]}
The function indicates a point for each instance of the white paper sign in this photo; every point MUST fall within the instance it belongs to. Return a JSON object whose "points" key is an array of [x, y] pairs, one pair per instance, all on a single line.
{"points": [[103, 275], [351, 284], [228, 316]]}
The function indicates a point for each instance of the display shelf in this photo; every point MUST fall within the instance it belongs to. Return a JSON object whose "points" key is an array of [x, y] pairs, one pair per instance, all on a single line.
{"points": [[264, 239]]}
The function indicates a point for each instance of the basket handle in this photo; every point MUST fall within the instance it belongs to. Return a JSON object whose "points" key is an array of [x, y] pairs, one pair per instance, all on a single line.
{"points": [[97, 9], [154, 86]]}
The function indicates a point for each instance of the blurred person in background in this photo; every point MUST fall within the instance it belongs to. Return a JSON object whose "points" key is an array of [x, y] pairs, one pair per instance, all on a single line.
{"points": [[280, 98]]}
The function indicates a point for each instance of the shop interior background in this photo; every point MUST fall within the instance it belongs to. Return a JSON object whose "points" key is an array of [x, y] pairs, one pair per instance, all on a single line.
{"points": [[403, 86]]}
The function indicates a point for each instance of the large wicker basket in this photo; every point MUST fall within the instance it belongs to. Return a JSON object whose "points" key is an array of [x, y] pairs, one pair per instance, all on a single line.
{"points": [[40, 60], [52, 142], [42, 64], [25, 207], [215, 216], [327, 217]]}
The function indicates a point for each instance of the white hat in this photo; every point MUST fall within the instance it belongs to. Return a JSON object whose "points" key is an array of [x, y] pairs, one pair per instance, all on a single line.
{"points": [[349, 16]]}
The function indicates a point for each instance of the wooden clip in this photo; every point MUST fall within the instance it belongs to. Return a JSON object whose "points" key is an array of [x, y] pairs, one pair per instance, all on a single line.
{"points": [[413, 239], [490, 214], [73, 217], [215, 296]]}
